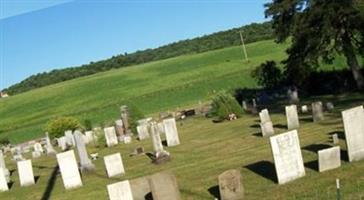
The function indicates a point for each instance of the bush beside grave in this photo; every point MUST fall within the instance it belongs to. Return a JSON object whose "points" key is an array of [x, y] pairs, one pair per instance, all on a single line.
{"points": [[224, 104], [56, 127]]}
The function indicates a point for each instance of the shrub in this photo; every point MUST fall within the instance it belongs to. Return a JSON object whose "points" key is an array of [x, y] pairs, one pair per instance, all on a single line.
{"points": [[4, 141], [224, 104], [101, 141], [56, 127], [267, 75], [88, 124]]}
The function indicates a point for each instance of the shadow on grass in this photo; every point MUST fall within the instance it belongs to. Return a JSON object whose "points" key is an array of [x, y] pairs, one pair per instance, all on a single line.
{"points": [[214, 191], [316, 147], [259, 134], [255, 126], [340, 134], [265, 169], [306, 119], [36, 178], [50, 184], [280, 126], [312, 165], [10, 184], [344, 155]]}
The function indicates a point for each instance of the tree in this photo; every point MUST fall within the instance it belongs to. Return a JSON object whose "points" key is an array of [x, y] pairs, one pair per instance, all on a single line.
{"points": [[268, 74], [320, 29]]}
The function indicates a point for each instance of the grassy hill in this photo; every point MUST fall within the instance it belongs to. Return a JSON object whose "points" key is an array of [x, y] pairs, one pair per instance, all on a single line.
{"points": [[207, 149]]}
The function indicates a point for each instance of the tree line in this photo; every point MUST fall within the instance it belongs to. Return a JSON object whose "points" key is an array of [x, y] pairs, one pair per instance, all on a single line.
{"points": [[252, 33]]}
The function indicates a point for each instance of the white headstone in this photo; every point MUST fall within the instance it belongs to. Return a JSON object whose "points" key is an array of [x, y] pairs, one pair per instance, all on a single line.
{"points": [[120, 191], [49, 147], [304, 109], [62, 143], [264, 116], [85, 162], [90, 136], [267, 128], [119, 127], [335, 139], [287, 156], [69, 138], [3, 168], [127, 139], [38, 147], [69, 170], [114, 165], [317, 111], [292, 117], [143, 132], [161, 128], [25, 171], [171, 132], [354, 132], [3, 182], [36, 154], [110, 136], [329, 158]]}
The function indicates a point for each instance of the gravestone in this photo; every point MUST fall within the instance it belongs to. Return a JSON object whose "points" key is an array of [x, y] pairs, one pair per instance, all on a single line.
{"points": [[317, 111], [161, 128], [38, 147], [140, 188], [36, 154], [267, 128], [354, 132], [145, 121], [171, 132], [304, 109], [330, 106], [161, 155], [164, 186], [230, 186], [264, 116], [329, 158], [49, 148], [254, 103], [127, 139], [292, 117], [3, 182], [110, 136], [143, 132], [85, 162], [62, 143], [25, 171], [287, 156], [335, 139], [69, 138], [119, 128], [244, 105], [120, 191], [125, 117], [3, 168], [114, 165], [292, 94], [69, 170], [90, 136]]}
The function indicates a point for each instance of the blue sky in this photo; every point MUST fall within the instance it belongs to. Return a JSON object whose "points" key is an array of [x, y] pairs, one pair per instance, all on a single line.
{"points": [[41, 35]]}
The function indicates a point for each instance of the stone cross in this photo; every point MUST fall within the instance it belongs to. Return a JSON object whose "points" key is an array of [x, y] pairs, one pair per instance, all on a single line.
{"points": [[25, 171], [292, 117], [85, 162], [120, 191], [230, 186], [49, 148], [317, 111], [69, 170]]}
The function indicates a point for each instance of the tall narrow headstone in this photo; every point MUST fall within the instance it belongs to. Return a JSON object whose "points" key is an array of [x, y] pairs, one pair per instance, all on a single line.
{"points": [[62, 143], [317, 111], [25, 171], [264, 116], [354, 132], [244, 105], [110, 136], [230, 186], [267, 128], [3, 182], [69, 138], [287, 156], [160, 154], [69, 170], [49, 148], [119, 127], [85, 162], [164, 186], [3, 168], [335, 139], [329, 158], [125, 117], [292, 117], [143, 132], [120, 191], [171, 132], [114, 165]]}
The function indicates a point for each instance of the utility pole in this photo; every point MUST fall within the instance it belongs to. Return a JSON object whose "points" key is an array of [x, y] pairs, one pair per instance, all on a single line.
{"points": [[243, 44]]}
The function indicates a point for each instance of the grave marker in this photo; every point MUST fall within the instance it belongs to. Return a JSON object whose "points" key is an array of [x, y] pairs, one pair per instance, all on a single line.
{"points": [[292, 117], [230, 186], [69, 170], [3, 168], [85, 162], [164, 186], [264, 116], [267, 128], [120, 191], [171, 132], [160, 154], [143, 132], [25, 171], [317, 111], [329, 158], [114, 165], [3, 182], [69, 138], [110, 136]]}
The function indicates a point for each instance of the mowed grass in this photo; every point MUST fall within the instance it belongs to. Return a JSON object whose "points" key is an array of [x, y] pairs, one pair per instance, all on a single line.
{"points": [[207, 149]]}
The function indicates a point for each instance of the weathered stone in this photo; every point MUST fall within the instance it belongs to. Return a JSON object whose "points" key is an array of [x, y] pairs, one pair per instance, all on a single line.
{"points": [[335, 139], [161, 128], [38, 147], [330, 106], [70, 140], [90, 136], [127, 139], [125, 117], [143, 132], [85, 162], [114, 165], [287, 156], [304, 109], [119, 126], [62, 143], [69, 170], [254, 103], [3, 168], [244, 106], [171, 132], [292, 117], [25, 171], [49, 148], [317, 111], [264, 116], [120, 191], [354, 132], [161, 155], [3, 182], [140, 188], [329, 158], [267, 128], [164, 186], [292, 94], [230, 186], [110, 136]]}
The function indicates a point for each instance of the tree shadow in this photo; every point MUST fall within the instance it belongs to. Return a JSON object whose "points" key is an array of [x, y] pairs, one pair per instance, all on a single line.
{"points": [[265, 169], [316, 147], [280, 126], [214, 191], [312, 165], [50, 184]]}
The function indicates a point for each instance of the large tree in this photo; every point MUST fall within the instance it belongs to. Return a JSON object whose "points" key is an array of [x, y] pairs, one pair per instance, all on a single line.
{"points": [[320, 30]]}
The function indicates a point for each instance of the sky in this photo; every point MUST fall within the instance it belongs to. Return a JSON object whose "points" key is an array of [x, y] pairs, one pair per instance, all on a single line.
{"points": [[41, 35]]}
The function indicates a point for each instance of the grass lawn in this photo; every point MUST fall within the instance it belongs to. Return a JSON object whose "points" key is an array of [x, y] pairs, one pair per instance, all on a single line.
{"points": [[207, 149]]}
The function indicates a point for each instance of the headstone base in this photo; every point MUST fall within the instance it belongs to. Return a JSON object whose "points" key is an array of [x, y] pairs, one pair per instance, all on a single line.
{"points": [[161, 158]]}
